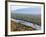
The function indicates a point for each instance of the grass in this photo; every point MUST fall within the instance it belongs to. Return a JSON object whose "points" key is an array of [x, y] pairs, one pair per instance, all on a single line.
{"points": [[36, 19], [20, 27], [32, 18]]}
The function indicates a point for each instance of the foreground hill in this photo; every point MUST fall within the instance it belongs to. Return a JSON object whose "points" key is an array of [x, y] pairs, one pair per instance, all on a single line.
{"points": [[19, 27]]}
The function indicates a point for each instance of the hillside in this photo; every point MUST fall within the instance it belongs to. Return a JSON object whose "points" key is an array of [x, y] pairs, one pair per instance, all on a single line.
{"points": [[19, 27]]}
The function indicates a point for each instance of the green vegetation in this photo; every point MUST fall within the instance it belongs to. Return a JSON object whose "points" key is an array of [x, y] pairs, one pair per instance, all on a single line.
{"points": [[31, 18], [19, 27]]}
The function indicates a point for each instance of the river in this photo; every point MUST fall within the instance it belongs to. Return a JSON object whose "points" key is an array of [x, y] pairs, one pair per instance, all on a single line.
{"points": [[35, 26]]}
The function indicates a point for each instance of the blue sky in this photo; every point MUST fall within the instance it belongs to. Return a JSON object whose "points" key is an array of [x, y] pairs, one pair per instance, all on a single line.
{"points": [[26, 9]]}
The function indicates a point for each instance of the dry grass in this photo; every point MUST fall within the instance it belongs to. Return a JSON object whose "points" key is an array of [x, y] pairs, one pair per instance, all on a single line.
{"points": [[19, 27]]}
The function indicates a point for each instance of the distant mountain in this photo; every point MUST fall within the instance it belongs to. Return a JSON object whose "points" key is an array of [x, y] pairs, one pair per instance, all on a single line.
{"points": [[33, 11]]}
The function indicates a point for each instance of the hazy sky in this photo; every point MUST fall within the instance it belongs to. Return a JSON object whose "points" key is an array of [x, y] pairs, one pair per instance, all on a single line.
{"points": [[26, 9], [18, 7]]}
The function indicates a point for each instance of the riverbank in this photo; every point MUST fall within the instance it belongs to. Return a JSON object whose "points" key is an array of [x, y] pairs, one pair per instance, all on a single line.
{"points": [[35, 26], [20, 27]]}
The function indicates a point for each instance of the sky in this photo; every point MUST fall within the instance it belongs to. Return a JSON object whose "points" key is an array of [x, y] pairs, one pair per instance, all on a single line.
{"points": [[18, 7], [26, 9]]}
